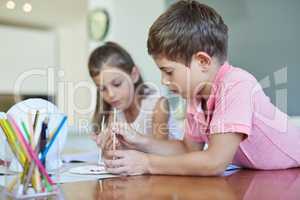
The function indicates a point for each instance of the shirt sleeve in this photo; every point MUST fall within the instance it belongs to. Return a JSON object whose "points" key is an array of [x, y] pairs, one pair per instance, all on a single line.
{"points": [[233, 109]]}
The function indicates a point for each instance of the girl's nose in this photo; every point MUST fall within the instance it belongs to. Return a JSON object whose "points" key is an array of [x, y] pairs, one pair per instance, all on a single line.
{"points": [[111, 93]]}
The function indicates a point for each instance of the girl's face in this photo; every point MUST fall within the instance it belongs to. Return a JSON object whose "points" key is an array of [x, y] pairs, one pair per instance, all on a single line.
{"points": [[116, 87]]}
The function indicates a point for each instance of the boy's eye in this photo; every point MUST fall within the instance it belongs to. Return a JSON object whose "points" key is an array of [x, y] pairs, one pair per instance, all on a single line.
{"points": [[169, 72]]}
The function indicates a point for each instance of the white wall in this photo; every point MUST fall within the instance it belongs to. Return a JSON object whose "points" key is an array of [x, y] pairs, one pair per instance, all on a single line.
{"points": [[263, 39], [130, 22], [21, 51], [74, 96], [64, 49]]}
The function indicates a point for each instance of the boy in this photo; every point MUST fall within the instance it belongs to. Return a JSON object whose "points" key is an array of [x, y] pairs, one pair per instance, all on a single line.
{"points": [[227, 109]]}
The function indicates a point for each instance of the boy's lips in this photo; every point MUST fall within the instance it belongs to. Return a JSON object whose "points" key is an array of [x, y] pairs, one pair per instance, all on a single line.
{"points": [[177, 92], [174, 91]]}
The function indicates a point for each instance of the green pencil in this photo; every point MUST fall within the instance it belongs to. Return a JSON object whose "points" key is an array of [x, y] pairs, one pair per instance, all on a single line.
{"points": [[26, 132]]}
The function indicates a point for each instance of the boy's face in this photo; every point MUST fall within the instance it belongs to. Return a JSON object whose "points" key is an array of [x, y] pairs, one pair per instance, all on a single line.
{"points": [[187, 81]]}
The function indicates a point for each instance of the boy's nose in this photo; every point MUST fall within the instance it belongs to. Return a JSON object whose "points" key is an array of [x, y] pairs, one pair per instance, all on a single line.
{"points": [[165, 81]]}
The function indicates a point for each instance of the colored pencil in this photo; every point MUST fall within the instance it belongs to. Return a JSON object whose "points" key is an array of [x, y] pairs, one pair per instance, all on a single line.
{"points": [[44, 153]]}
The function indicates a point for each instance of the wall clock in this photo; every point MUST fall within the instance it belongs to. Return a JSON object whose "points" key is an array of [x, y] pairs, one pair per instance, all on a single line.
{"points": [[98, 24]]}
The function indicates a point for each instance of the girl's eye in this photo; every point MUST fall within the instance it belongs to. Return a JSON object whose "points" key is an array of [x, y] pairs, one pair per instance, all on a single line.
{"points": [[102, 88], [117, 83]]}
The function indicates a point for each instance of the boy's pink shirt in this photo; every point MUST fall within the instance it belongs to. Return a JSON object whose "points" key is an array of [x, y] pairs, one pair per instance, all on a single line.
{"points": [[237, 104]]}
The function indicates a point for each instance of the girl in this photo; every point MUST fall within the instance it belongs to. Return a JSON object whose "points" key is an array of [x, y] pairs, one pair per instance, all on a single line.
{"points": [[121, 86]]}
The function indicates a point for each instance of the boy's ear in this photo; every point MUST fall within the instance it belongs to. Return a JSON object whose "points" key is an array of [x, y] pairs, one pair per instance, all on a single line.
{"points": [[135, 74], [203, 59]]}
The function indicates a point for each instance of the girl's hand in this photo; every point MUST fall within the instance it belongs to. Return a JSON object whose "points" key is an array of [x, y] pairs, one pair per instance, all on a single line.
{"points": [[127, 162], [100, 138], [2, 162], [128, 136], [104, 141]]}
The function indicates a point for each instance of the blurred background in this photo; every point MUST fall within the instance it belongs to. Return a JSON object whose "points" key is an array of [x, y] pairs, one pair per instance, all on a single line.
{"points": [[45, 44]]}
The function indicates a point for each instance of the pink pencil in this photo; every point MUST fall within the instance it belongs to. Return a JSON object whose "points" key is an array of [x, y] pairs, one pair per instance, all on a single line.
{"points": [[29, 149]]}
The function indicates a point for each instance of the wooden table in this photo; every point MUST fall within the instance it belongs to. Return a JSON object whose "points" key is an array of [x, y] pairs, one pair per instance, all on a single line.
{"points": [[245, 184]]}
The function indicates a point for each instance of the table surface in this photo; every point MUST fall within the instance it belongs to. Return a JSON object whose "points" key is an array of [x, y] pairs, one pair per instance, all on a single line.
{"points": [[244, 184]]}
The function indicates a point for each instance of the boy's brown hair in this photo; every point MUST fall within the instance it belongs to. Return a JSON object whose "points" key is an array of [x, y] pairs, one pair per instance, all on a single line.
{"points": [[186, 28]]}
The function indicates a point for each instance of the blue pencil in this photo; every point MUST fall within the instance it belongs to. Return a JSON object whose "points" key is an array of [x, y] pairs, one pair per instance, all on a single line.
{"points": [[44, 153]]}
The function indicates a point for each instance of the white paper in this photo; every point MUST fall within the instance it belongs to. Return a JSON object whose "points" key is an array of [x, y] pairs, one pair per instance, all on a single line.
{"points": [[81, 172], [89, 170], [68, 177], [81, 157]]}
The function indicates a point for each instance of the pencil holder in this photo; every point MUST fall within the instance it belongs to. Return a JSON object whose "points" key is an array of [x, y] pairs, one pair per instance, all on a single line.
{"points": [[27, 184], [55, 194], [48, 110], [6, 155], [35, 132]]}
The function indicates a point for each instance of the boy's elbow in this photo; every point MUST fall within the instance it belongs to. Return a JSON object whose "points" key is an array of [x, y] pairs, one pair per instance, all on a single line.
{"points": [[206, 165], [215, 168], [218, 170]]}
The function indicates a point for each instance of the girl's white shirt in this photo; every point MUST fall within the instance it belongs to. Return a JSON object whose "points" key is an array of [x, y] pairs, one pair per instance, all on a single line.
{"points": [[143, 122]]}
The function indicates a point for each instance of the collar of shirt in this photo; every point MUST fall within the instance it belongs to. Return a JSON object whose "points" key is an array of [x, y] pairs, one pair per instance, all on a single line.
{"points": [[195, 107], [195, 114]]}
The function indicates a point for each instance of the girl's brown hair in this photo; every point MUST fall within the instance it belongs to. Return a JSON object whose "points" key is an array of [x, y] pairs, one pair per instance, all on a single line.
{"points": [[111, 54]]}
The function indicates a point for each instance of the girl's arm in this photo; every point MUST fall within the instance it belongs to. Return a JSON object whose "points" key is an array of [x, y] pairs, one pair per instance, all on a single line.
{"points": [[160, 129]]}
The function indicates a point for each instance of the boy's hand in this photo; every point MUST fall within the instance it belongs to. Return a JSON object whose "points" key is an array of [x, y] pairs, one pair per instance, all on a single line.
{"points": [[128, 162]]}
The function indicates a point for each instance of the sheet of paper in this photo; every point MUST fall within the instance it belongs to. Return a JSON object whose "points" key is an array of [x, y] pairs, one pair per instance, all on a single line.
{"points": [[65, 176], [89, 170], [80, 157], [68, 177], [5, 171], [6, 179], [232, 167]]}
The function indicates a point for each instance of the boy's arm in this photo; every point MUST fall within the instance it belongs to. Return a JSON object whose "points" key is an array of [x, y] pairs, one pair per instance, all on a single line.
{"points": [[157, 146], [130, 137], [212, 161], [170, 147]]}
